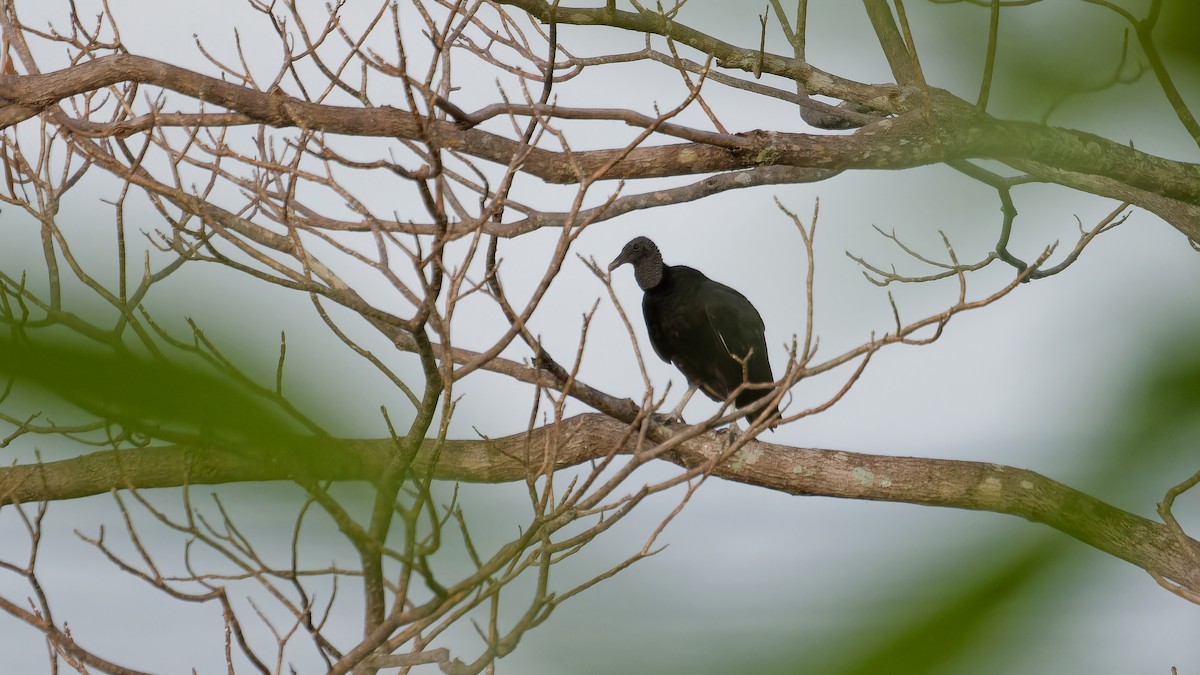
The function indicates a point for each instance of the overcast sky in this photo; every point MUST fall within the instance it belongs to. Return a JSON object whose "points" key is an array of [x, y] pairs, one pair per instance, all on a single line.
{"points": [[1037, 381]]}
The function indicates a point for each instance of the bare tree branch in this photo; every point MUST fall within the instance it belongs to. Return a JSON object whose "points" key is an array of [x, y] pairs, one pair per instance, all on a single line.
{"points": [[793, 470]]}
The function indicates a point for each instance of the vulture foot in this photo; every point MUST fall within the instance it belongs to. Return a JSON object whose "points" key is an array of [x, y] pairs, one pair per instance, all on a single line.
{"points": [[668, 419]]}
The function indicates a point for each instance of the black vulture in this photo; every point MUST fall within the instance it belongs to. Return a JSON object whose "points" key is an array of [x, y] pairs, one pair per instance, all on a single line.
{"points": [[706, 329]]}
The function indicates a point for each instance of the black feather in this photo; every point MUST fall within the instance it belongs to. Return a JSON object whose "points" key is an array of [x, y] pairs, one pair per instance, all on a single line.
{"points": [[709, 331]]}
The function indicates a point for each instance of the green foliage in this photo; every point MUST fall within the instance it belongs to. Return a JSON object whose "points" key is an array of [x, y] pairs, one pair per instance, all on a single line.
{"points": [[954, 617], [148, 398], [945, 633], [1176, 31]]}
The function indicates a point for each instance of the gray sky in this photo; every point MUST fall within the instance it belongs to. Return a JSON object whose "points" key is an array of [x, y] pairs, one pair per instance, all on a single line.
{"points": [[1035, 381]]}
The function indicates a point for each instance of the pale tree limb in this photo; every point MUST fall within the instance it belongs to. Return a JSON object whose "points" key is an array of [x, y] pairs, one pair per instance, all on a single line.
{"points": [[956, 131], [976, 486]]}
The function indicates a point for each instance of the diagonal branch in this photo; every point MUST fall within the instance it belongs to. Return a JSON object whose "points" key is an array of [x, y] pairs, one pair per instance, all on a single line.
{"points": [[892, 42]]}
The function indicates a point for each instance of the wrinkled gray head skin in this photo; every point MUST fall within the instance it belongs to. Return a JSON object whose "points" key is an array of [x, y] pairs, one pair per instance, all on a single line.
{"points": [[646, 260]]}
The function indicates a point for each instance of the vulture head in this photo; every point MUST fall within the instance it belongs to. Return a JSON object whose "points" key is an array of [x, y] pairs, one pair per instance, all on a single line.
{"points": [[646, 260]]}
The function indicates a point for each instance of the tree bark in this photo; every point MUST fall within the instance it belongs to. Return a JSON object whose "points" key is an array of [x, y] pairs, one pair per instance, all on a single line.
{"points": [[952, 130], [977, 486]]}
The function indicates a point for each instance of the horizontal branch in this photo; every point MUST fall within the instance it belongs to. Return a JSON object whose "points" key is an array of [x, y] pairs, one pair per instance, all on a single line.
{"points": [[534, 220], [952, 130], [800, 471]]}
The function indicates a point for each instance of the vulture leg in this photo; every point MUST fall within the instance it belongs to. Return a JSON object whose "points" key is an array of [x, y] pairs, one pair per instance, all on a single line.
{"points": [[731, 433], [677, 413]]}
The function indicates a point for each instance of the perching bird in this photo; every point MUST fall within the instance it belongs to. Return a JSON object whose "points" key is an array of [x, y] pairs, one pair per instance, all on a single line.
{"points": [[705, 328]]}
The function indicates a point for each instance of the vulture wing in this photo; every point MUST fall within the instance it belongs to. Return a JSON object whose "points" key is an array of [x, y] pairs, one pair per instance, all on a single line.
{"points": [[740, 330], [699, 325]]}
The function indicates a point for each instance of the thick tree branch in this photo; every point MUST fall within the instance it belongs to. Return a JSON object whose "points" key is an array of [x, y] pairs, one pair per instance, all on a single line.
{"points": [[1169, 189], [956, 131], [800, 471]]}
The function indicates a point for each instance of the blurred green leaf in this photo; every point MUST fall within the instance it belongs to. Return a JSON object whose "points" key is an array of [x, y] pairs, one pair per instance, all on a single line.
{"points": [[1147, 443], [153, 397], [1176, 30], [943, 635]]}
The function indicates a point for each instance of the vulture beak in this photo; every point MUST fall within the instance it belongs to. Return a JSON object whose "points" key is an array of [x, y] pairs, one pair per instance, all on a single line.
{"points": [[619, 260]]}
